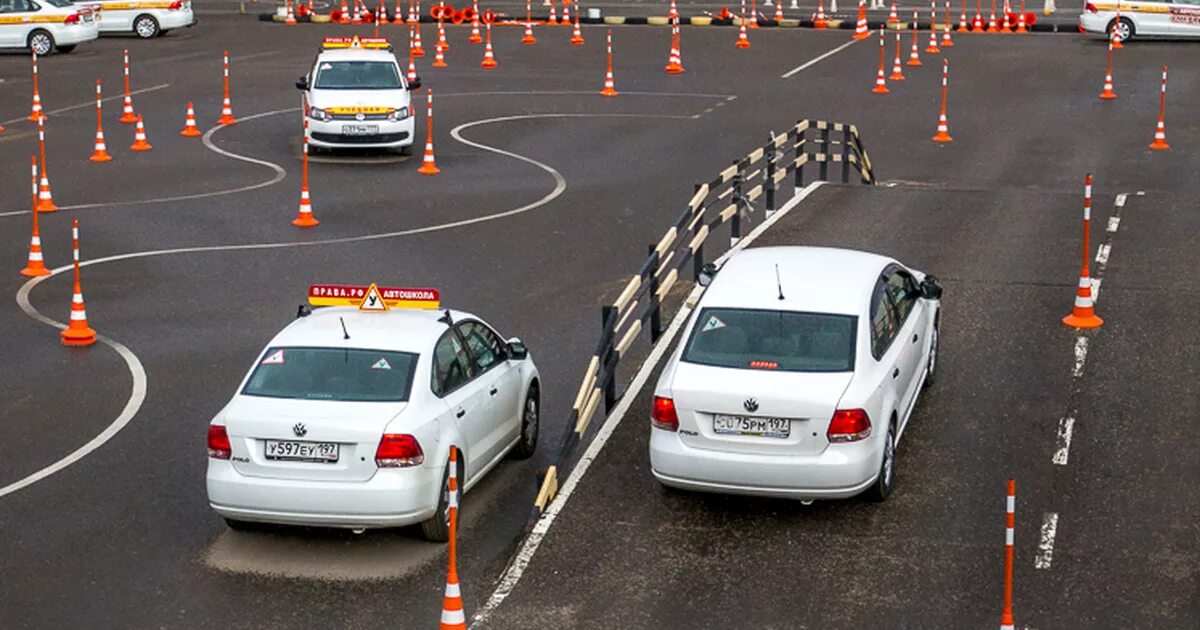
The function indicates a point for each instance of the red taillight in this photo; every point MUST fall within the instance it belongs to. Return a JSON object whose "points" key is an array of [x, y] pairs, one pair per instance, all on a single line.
{"points": [[664, 416], [399, 451], [849, 425], [1090, 8], [218, 442], [175, 6], [72, 19]]}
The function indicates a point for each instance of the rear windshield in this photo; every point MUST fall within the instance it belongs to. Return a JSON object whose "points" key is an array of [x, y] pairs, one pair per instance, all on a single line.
{"points": [[357, 75], [333, 374], [772, 340]]}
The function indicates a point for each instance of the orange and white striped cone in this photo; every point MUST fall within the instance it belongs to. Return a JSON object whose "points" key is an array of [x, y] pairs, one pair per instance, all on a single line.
{"points": [[290, 20], [932, 48], [414, 46], [897, 69], [914, 57], [674, 59], [414, 13], [977, 25], [1107, 93], [304, 217], [1005, 24], [946, 41], [343, 14], [1083, 315], [398, 14], [673, 13], [189, 126], [577, 35], [553, 20], [752, 21], [428, 165], [100, 153], [743, 41], [36, 109], [45, 199], [412, 68], [991, 25], [128, 116], [35, 265], [1006, 615], [453, 617], [1160, 132], [77, 332], [489, 58], [356, 15], [819, 21], [139, 138], [860, 27], [566, 14], [1022, 27], [528, 38], [892, 17], [1114, 34], [441, 40], [226, 107], [963, 25], [610, 88], [778, 13], [880, 80], [943, 129], [476, 36]]}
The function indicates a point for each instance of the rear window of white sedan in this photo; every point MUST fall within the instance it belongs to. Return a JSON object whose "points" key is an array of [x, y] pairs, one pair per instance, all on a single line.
{"points": [[333, 374], [772, 340]]}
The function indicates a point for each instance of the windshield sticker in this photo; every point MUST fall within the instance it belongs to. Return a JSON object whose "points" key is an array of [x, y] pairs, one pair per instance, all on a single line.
{"points": [[764, 365], [276, 358], [327, 66], [381, 364], [713, 323]]}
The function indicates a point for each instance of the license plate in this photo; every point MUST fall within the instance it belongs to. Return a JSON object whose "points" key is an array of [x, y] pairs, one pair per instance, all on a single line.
{"points": [[359, 130], [780, 428], [324, 452]]}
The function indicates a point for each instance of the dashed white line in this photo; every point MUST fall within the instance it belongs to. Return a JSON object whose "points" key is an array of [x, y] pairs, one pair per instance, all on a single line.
{"points": [[1081, 348], [816, 60], [1113, 224], [1045, 553], [1102, 254], [1062, 450]]}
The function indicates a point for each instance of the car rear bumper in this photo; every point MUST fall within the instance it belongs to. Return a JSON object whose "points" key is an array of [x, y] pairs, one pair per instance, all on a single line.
{"points": [[76, 34], [1096, 22], [841, 471], [392, 498], [175, 19]]}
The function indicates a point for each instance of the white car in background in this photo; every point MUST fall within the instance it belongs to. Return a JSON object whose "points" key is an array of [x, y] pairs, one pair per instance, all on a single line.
{"points": [[796, 375], [46, 25], [347, 417], [144, 18], [1173, 18]]}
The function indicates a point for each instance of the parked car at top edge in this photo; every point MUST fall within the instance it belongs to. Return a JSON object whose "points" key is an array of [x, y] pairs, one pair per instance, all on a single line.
{"points": [[43, 26], [796, 375], [1137, 18], [144, 18]]}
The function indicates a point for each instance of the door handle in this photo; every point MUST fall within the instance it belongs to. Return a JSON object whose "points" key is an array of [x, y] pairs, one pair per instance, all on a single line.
{"points": [[896, 373], [915, 336], [493, 392], [461, 413]]}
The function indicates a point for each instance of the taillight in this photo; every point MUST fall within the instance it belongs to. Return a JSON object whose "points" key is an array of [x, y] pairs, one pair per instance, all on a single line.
{"points": [[663, 416], [399, 451], [1090, 8], [218, 442], [175, 6], [849, 425], [72, 19]]}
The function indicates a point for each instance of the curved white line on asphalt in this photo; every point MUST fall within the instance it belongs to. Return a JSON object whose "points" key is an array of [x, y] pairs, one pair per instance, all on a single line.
{"points": [[138, 394], [92, 102]]}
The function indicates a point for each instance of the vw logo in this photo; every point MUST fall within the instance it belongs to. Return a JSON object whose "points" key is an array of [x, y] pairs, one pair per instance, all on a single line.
{"points": [[751, 405], [360, 117], [300, 430]]}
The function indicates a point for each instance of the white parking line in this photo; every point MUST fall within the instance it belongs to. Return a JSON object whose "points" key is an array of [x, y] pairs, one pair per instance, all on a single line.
{"points": [[815, 61], [1102, 254], [1113, 224], [1045, 553], [1062, 448], [1081, 348], [92, 103]]}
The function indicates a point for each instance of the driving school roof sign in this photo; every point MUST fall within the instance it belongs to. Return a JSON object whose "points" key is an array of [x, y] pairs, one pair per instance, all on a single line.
{"points": [[372, 297]]}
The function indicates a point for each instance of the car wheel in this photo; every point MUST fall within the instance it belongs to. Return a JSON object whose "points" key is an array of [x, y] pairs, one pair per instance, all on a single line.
{"points": [[530, 417], [887, 470], [41, 42], [437, 527], [64, 49], [931, 368], [145, 26], [1124, 28]]}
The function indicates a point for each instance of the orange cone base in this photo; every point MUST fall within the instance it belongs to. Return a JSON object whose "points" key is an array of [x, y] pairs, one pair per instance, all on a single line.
{"points": [[46, 205], [35, 269], [743, 43], [488, 64], [946, 43], [862, 35], [608, 92], [880, 89], [1077, 320], [190, 132], [101, 156], [674, 68], [83, 336], [913, 62], [942, 136], [1117, 45], [305, 220], [141, 146], [440, 63], [429, 168], [819, 23], [1160, 145], [1108, 95], [418, 52], [933, 50], [127, 118], [529, 39], [34, 117], [896, 76], [576, 41], [227, 120]]}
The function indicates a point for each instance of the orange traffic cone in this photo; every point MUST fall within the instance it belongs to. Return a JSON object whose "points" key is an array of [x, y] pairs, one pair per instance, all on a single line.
{"points": [[305, 218], [977, 24], [441, 40], [1022, 27], [880, 80], [991, 25], [1107, 93], [742, 41], [100, 153], [753, 23], [414, 13], [45, 200], [553, 16], [428, 165], [963, 25], [476, 36], [343, 14], [577, 35], [35, 266], [37, 96], [412, 67], [489, 59], [529, 38], [189, 126], [139, 138], [226, 108], [860, 27], [897, 69], [1114, 34], [127, 114], [1160, 132], [819, 22], [439, 60], [892, 17], [673, 12], [674, 59], [417, 50], [77, 332], [566, 16], [943, 131], [1083, 315], [453, 617], [610, 88], [932, 48], [914, 57], [946, 41], [290, 20], [778, 13]]}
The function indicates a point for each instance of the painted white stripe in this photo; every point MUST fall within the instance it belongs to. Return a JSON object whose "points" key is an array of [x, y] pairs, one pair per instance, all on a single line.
{"points": [[1102, 254], [453, 617], [1081, 348], [816, 60], [1010, 503], [76, 298], [454, 469], [1008, 536], [1045, 552], [1062, 450], [1113, 224], [1096, 290], [78, 316], [1120, 202], [453, 590], [92, 103], [512, 575]]}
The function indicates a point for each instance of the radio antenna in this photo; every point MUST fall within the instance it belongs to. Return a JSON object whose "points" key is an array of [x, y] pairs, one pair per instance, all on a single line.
{"points": [[346, 333], [778, 282]]}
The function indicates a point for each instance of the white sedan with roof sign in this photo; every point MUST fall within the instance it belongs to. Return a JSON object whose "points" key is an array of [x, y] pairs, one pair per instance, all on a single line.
{"points": [[43, 26]]}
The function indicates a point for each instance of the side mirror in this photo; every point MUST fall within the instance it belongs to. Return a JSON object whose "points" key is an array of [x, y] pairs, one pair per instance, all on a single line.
{"points": [[414, 84], [707, 273], [302, 83], [930, 289], [517, 350]]}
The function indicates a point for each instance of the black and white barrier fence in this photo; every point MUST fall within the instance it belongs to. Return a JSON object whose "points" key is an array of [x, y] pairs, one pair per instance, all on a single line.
{"points": [[803, 154]]}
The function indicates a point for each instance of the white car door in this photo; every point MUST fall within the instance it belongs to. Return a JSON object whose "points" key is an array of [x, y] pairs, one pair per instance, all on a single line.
{"points": [[15, 16], [465, 398], [913, 325], [503, 398], [1150, 18], [891, 352], [1185, 18]]}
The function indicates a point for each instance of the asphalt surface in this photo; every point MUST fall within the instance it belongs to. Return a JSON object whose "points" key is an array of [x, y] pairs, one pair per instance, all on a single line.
{"points": [[124, 537]]}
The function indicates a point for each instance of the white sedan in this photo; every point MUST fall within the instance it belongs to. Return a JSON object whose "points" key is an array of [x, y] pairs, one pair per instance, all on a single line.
{"points": [[144, 18], [796, 375], [43, 26], [347, 418], [1155, 18]]}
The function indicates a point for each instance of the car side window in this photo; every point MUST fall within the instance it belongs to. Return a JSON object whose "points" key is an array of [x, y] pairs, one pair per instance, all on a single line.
{"points": [[903, 292], [484, 345], [884, 326], [15, 6], [451, 367]]}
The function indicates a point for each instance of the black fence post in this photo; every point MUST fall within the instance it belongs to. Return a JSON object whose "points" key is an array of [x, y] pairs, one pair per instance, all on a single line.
{"points": [[769, 188], [607, 313], [845, 154], [798, 149], [698, 256], [655, 307], [735, 223], [823, 170]]}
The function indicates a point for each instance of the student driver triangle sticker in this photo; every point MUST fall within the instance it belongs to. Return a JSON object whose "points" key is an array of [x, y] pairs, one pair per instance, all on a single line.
{"points": [[372, 301], [382, 364], [276, 358]]}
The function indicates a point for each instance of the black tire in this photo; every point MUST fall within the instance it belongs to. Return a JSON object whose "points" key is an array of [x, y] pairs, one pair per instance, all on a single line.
{"points": [[931, 366], [882, 488], [146, 27], [531, 413], [437, 527], [40, 42], [65, 49], [1125, 31]]}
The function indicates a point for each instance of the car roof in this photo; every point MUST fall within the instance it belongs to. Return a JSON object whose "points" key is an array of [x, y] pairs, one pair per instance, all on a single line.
{"points": [[357, 54], [399, 329], [814, 279]]}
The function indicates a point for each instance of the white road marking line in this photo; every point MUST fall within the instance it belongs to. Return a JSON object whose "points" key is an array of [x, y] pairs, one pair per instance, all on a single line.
{"points": [[92, 103], [1081, 348], [1045, 551], [1062, 449], [512, 575], [1102, 254], [1120, 202], [816, 60], [1113, 224], [1096, 290]]}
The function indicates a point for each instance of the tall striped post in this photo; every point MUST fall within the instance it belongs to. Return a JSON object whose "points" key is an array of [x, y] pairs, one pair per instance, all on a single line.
{"points": [[1160, 131], [453, 617], [226, 107], [128, 116], [1083, 315], [77, 332], [36, 108], [1006, 617]]}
